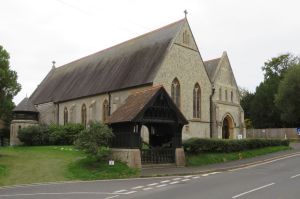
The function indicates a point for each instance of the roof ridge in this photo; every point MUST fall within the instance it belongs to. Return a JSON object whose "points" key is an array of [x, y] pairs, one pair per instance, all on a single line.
{"points": [[119, 44], [148, 89]]}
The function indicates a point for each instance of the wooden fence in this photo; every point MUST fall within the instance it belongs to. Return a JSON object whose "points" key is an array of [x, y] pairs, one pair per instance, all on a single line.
{"points": [[281, 133]]}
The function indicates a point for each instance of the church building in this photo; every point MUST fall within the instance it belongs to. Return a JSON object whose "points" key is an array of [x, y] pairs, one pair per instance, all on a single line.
{"points": [[94, 87]]}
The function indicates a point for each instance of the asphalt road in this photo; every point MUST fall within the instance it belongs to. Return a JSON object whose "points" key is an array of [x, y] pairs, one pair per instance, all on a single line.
{"points": [[279, 179]]}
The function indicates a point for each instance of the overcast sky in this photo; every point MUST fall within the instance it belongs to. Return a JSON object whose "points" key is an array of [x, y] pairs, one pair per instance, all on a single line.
{"points": [[37, 32]]}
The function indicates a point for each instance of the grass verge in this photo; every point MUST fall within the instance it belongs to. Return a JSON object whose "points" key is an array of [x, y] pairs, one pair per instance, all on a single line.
{"points": [[22, 165], [212, 158]]}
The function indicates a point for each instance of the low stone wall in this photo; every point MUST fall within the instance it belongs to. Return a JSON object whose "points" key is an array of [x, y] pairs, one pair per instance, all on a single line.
{"points": [[130, 156], [280, 133]]}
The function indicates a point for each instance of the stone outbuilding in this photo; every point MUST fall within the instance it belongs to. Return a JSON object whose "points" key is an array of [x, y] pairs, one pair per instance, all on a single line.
{"points": [[24, 115]]}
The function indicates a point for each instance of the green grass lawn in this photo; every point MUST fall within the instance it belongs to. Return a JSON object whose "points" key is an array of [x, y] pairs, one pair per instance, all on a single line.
{"points": [[20, 165], [211, 158]]}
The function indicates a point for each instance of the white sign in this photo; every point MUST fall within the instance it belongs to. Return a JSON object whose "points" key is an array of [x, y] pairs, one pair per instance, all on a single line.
{"points": [[240, 137], [111, 162]]}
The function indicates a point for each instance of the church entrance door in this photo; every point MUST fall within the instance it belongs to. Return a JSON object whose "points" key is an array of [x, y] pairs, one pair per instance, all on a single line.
{"points": [[227, 128]]}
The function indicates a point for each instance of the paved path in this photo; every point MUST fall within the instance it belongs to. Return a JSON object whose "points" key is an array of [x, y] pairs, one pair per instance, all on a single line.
{"points": [[270, 180], [172, 170]]}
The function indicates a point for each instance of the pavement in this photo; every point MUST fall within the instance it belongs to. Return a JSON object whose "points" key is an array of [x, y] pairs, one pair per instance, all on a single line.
{"points": [[276, 179], [168, 170]]}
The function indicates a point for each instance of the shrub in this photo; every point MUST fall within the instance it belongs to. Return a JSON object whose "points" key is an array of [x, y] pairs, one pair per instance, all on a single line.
{"points": [[34, 135], [94, 140], [64, 135], [199, 145]]}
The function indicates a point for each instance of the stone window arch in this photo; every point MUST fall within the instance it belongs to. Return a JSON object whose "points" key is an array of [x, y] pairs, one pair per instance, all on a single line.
{"points": [[83, 115], [226, 95], [65, 115], [105, 112], [197, 101], [220, 93], [231, 96], [175, 92]]}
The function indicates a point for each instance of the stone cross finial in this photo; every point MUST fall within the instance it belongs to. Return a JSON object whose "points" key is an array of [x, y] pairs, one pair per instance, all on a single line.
{"points": [[53, 66], [185, 13]]}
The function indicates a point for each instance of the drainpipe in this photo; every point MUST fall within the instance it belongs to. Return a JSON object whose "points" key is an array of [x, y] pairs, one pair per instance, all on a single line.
{"points": [[211, 110], [109, 103]]}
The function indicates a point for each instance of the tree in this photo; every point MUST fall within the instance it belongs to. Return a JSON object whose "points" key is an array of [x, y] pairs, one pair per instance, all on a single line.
{"points": [[94, 140], [263, 111], [288, 96], [9, 87], [246, 99]]}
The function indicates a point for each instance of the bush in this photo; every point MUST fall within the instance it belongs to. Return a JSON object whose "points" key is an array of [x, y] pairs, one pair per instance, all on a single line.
{"points": [[34, 135], [50, 134], [64, 135], [199, 145], [94, 140]]}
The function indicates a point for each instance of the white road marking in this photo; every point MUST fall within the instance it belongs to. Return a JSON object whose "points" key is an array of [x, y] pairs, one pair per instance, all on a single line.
{"points": [[130, 192], [162, 185], [196, 177], [265, 162], [111, 197], [252, 190], [61, 193], [153, 184], [120, 191], [165, 181], [184, 180], [295, 176], [148, 188], [174, 182], [177, 179], [187, 176], [138, 187], [212, 173]]}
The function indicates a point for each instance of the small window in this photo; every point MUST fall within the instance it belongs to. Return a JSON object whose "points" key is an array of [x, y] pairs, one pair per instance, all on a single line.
{"points": [[186, 37], [196, 101], [83, 115], [105, 110], [175, 92], [231, 96], [220, 93], [226, 95], [65, 116]]}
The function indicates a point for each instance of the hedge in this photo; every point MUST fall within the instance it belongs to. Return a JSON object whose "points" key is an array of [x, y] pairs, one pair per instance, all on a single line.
{"points": [[200, 145], [50, 134]]}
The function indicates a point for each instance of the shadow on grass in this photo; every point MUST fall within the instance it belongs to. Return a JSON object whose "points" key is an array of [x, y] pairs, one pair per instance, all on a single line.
{"points": [[90, 169]]}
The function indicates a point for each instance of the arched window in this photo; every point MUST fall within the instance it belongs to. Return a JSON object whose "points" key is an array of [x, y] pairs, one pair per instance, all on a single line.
{"points": [[196, 101], [105, 108], [231, 96], [65, 116], [220, 93], [226, 95], [83, 115], [175, 92]]}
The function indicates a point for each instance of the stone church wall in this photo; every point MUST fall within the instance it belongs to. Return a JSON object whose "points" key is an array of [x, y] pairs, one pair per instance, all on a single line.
{"points": [[47, 113], [184, 63]]}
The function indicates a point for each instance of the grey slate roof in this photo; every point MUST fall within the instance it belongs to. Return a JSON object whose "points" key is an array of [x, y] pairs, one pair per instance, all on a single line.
{"points": [[25, 106], [129, 64], [211, 67]]}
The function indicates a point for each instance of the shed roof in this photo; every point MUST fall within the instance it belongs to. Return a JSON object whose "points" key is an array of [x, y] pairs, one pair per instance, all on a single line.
{"points": [[211, 67], [129, 64], [25, 106], [136, 103]]}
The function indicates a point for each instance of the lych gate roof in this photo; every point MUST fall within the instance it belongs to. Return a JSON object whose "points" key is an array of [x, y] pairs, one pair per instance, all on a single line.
{"points": [[211, 67], [132, 63], [25, 106], [139, 101]]}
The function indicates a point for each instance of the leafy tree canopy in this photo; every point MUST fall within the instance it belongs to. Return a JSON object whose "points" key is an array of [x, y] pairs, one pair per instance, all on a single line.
{"points": [[288, 96], [9, 87]]}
